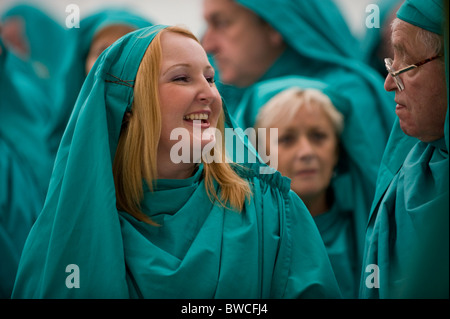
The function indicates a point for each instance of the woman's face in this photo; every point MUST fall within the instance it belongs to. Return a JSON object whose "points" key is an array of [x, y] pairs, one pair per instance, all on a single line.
{"points": [[189, 100], [307, 151]]}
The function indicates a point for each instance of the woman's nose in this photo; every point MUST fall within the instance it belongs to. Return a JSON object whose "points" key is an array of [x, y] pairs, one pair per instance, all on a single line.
{"points": [[207, 93], [305, 151]]}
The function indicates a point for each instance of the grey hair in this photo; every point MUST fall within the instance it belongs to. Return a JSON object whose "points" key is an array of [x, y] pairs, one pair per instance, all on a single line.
{"points": [[286, 104], [432, 41]]}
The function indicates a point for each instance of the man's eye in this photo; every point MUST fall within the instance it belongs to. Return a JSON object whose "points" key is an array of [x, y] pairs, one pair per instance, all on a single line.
{"points": [[221, 23]]}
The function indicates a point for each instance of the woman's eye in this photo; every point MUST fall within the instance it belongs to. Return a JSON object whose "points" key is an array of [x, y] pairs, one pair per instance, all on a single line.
{"points": [[318, 136], [210, 79], [181, 78], [285, 139]]}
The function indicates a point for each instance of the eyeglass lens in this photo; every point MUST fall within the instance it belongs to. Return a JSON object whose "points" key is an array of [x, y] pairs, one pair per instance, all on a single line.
{"points": [[391, 71]]}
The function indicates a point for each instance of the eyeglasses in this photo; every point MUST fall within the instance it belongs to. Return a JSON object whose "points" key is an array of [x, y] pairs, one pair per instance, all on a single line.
{"points": [[395, 74]]}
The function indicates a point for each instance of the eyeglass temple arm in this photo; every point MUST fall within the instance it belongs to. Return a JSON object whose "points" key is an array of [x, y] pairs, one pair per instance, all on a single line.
{"points": [[410, 67]]}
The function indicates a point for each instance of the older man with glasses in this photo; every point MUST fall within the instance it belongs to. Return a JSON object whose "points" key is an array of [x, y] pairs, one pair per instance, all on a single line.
{"points": [[407, 246]]}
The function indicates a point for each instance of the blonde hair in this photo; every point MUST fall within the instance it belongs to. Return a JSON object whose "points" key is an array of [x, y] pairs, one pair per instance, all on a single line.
{"points": [[136, 155], [286, 104]]}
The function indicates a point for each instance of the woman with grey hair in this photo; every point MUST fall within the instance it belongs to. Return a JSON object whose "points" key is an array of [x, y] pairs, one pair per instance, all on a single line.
{"points": [[314, 151]]}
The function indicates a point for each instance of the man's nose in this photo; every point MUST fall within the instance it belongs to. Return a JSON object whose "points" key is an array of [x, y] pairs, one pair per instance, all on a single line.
{"points": [[208, 41], [389, 84]]}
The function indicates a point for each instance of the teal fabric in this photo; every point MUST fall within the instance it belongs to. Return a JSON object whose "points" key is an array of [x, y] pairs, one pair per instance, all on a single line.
{"points": [[106, 17], [356, 173], [73, 67], [20, 196], [43, 62], [435, 261], [407, 233], [403, 218], [27, 123], [321, 47], [271, 249], [313, 19], [428, 15], [337, 228], [50, 79]]}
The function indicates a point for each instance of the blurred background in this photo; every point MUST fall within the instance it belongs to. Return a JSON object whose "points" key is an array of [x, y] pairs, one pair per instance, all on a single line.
{"points": [[179, 12]]}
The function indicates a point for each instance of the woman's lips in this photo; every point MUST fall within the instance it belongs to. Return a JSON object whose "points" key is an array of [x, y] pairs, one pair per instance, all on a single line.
{"points": [[306, 173], [198, 119], [201, 123]]}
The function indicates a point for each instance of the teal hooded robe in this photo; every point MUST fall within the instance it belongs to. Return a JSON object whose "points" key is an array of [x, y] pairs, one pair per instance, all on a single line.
{"points": [[36, 77], [407, 249], [48, 80], [82, 247], [20, 196], [72, 70]]}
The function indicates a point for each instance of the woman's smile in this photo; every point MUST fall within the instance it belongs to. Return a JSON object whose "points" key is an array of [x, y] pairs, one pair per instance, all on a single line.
{"points": [[200, 118]]}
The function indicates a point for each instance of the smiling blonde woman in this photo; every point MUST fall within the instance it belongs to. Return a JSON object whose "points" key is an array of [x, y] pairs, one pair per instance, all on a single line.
{"points": [[146, 227]]}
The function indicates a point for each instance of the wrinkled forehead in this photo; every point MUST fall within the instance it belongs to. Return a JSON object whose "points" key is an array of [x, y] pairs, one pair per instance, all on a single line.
{"points": [[405, 42]]}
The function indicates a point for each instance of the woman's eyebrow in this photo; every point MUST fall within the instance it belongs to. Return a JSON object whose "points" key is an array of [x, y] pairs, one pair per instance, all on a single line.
{"points": [[186, 65], [175, 66], [289, 130]]}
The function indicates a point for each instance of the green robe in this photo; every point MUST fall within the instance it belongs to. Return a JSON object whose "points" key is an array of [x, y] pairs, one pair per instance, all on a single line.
{"points": [[267, 250], [73, 66], [27, 126], [271, 249], [353, 185], [414, 204], [20, 196], [407, 242], [337, 229]]}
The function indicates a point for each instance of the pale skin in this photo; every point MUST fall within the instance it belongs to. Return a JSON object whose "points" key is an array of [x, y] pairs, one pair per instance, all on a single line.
{"points": [[422, 105], [243, 46], [307, 153], [186, 90]]}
